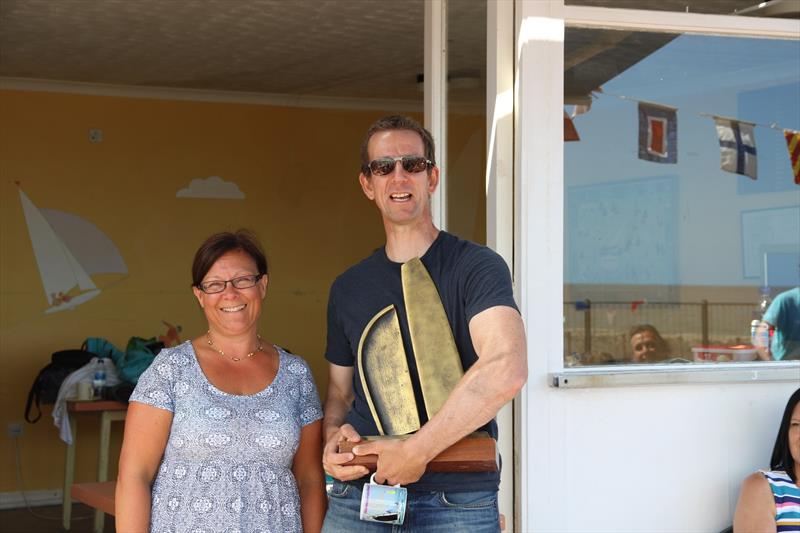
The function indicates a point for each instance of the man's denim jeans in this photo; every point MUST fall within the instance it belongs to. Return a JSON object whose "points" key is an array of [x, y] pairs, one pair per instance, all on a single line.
{"points": [[427, 512]]}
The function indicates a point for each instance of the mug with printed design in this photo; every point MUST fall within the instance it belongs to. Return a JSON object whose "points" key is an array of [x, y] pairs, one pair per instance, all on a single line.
{"points": [[385, 504]]}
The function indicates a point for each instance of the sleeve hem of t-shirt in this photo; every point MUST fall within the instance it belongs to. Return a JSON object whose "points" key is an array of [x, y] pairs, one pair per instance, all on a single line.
{"points": [[320, 417], [151, 404], [771, 316], [488, 305], [340, 361]]}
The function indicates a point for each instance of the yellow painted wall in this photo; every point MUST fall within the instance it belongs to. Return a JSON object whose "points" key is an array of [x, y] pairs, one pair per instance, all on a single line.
{"points": [[466, 186], [297, 167]]}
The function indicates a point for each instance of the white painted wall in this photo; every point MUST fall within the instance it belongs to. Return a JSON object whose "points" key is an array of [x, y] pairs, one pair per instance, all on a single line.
{"points": [[658, 458]]}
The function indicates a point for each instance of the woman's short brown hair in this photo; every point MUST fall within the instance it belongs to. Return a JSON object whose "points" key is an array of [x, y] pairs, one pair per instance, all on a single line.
{"points": [[220, 244]]}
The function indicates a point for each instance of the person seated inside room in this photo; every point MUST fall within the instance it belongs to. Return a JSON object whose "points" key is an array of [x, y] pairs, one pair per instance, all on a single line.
{"points": [[647, 345]]}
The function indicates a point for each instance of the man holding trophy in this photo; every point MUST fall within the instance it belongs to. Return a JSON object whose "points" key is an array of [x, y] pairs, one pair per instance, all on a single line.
{"points": [[425, 345]]}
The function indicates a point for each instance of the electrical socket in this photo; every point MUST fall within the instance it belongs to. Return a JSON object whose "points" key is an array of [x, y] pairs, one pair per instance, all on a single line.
{"points": [[14, 430]]}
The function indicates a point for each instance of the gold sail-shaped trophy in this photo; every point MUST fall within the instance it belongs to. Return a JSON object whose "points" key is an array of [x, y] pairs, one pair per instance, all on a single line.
{"points": [[386, 379]]}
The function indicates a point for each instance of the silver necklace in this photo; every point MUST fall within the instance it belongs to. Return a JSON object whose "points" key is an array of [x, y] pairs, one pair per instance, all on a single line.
{"points": [[232, 357]]}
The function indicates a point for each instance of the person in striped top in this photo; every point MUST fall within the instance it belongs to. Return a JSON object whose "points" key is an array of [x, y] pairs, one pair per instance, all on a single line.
{"points": [[770, 499]]}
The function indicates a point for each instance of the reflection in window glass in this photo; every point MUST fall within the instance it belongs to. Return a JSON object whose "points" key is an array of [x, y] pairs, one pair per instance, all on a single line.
{"points": [[749, 8], [671, 248], [465, 151], [466, 120]]}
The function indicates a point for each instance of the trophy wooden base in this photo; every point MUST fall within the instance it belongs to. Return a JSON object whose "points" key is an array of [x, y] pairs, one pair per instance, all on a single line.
{"points": [[473, 453]]}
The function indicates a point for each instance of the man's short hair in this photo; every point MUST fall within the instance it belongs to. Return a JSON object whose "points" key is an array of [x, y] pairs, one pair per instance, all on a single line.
{"points": [[397, 122]]}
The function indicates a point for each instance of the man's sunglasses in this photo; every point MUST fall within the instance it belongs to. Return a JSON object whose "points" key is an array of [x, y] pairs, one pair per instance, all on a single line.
{"points": [[411, 163]]}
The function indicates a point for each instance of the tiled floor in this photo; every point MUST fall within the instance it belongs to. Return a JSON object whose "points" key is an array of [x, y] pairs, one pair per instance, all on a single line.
{"points": [[22, 521]]}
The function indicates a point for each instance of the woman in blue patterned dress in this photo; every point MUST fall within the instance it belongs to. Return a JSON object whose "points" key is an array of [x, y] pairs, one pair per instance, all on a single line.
{"points": [[770, 499], [223, 432]]}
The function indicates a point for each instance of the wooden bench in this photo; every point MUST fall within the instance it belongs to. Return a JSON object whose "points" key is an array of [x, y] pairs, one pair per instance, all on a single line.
{"points": [[98, 495], [109, 412]]}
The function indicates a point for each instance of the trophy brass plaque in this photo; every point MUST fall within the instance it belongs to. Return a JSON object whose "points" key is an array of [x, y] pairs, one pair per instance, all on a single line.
{"points": [[385, 377], [438, 362]]}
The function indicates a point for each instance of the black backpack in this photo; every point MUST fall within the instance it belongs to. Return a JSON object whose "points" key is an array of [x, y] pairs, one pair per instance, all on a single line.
{"points": [[45, 386]]}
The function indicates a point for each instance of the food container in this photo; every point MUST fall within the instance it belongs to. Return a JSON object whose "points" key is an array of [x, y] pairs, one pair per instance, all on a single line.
{"points": [[724, 354]]}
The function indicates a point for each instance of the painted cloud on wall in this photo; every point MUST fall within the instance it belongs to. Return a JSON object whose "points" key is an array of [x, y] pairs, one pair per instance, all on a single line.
{"points": [[211, 187]]}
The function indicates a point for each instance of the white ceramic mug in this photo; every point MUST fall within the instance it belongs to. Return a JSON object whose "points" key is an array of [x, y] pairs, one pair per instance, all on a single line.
{"points": [[385, 504], [85, 391]]}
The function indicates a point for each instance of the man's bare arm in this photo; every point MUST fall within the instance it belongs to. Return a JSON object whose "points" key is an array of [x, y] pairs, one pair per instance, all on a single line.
{"points": [[340, 396], [501, 370], [334, 430]]}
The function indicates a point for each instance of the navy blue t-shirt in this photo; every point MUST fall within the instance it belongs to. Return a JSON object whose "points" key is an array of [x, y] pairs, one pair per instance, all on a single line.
{"points": [[470, 278]]}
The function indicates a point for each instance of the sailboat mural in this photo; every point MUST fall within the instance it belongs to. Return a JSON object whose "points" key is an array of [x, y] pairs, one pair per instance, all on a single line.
{"points": [[68, 250]]}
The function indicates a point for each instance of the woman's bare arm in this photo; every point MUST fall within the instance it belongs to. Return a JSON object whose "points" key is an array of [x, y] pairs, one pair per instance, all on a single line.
{"points": [[307, 470], [146, 433], [755, 511]]}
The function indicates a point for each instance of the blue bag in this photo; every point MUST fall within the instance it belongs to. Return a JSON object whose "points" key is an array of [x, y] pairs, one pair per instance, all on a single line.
{"points": [[138, 355]]}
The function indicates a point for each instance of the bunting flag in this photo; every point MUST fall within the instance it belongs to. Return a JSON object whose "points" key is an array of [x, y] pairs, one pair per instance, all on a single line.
{"points": [[570, 133], [793, 143], [581, 109], [658, 133], [737, 146]]}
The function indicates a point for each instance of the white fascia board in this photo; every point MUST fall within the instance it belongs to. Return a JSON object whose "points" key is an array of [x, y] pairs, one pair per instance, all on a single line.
{"points": [[672, 21]]}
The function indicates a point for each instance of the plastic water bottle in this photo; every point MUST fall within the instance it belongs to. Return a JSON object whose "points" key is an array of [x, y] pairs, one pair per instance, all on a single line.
{"points": [[759, 334], [99, 380], [759, 331], [763, 302]]}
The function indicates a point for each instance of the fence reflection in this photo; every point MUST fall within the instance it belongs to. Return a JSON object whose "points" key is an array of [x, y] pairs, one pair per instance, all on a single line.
{"points": [[597, 332]]}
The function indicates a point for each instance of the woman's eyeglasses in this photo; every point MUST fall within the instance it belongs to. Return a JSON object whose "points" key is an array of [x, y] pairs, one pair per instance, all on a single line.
{"points": [[411, 163], [242, 282]]}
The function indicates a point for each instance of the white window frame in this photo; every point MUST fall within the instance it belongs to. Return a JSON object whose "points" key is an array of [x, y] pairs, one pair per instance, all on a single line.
{"points": [[539, 211], [435, 84], [540, 181], [499, 181]]}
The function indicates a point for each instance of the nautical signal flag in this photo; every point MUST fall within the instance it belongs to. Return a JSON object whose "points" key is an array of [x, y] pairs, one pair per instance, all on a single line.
{"points": [[570, 132], [793, 143], [737, 146], [658, 133]]}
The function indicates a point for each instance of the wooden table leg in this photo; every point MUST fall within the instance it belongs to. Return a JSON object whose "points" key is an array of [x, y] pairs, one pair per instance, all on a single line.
{"points": [[102, 463], [69, 474]]}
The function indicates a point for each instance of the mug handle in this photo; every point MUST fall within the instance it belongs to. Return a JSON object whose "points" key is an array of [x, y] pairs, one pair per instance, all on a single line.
{"points": [[372, 480]]}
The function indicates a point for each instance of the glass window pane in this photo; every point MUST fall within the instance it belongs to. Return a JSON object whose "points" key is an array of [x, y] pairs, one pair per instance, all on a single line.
{"points": [[657, 232], [750, 8], [466, 119]]}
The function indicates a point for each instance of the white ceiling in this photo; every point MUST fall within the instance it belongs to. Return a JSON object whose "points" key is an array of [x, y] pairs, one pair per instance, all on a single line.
{"points": [[330, 48]]}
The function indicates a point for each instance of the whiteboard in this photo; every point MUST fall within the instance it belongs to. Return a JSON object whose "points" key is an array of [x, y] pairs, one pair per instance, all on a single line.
{"points": [[623, 232], [766, 231]]}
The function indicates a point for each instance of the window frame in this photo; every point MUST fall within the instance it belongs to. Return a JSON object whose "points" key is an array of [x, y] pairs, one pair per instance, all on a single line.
{"points": [[539, 184]]}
